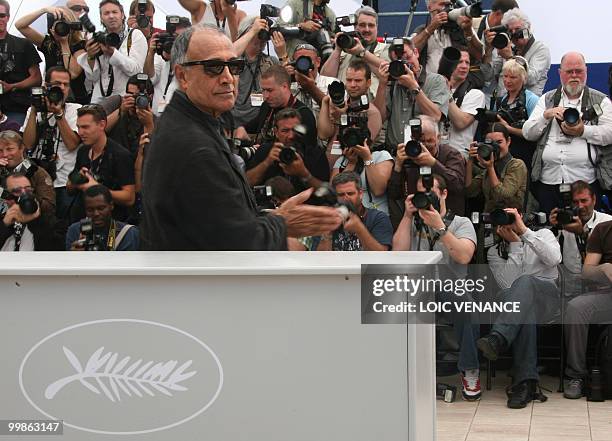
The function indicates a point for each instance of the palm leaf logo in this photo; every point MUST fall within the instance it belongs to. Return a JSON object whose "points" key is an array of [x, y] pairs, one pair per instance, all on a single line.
{"points": [[104, 374]]}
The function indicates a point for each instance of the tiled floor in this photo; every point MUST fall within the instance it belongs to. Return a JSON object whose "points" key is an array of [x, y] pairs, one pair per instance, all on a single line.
{"points": [[558, 419]]}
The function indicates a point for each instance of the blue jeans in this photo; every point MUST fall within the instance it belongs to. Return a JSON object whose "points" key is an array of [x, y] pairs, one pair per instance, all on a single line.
{"points": [[519, 329], [467, 334]]}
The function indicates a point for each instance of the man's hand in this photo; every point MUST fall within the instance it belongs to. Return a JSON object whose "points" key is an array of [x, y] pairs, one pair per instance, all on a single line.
{"points": [[3, 162], [425, 158], [305, 81], [93, 48], [351, 155], [555, 112], [355, 49], [85, 171], [489, 36], [296, 168], [55, 108], [575, 130], [408, 80], [409, 208], [6, 87], [505, 53], [14, 214], [142, 143], [280, 46], [575, 227], [145, 116], [431, 218], [507, 233], [107, 50], [307, 220], [518, 226], [353, 224], [383, 73], [487, 165], [153, 42], [438, 20], [273, 154], [363, 151], [309, 26], [128, 102], [78, 245]]}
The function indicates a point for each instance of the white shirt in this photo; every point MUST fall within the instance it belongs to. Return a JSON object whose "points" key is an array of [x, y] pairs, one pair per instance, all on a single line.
{"points": [[571, 256], [163, 90], [322, 83], [461, 139], [436, 44], [65, 158], [124, 66], [538, 254], [381, 50], [566, 159]]}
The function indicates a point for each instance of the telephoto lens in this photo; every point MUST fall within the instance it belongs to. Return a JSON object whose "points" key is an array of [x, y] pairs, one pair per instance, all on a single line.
{"points": [[287, 155], [336, 93], [413, 149], [397, 68], [346, 40], [27, 203], [501, 217], [61, 28], [571, 116], [303, 65]]}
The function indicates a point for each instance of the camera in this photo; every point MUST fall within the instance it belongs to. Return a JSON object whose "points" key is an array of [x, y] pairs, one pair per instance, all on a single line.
{"points": [[346, 20], [360, 105], [165, 40], [87, 23], [336, 92], [107, 38], [263, 197], [141, 99], [412, 145], [26, 201], [566, 213], [396, 47], [54, 94], [346, 40], [61, 27], [502, 37], [321, 40], [325, 196], [141, 19], [77, 178], [267, 12], [353, 130], [488, 148], [91, 241], [289, 153], [303, 64], [244, 148], [499, 217], [474, 10], [571, 116], [425, 199], [397, 68]]}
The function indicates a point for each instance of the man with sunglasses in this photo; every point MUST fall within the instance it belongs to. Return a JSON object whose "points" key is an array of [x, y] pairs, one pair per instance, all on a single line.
{"points": [[195, 196], [108, 67], [79, 7], [19, 69], [523, 43], [30, 231]]}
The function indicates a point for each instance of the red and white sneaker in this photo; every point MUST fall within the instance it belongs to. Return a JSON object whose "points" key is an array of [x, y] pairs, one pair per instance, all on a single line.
{"points": [[470, 380]]}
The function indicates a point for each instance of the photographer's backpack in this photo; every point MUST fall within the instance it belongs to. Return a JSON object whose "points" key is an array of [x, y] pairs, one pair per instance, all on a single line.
{"points": [[603, 359]]}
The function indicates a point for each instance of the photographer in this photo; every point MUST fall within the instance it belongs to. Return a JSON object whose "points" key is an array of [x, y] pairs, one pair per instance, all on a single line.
{"points": [[593, 307], [18, 69], [223, 14], [100, 160], [24, 225], [114, 55], [465, 99], [514, 109], [366, 229], [126, 124], [520, 42], [13, 159], [100, 231], [310, 87], [444, 161], [357, 83], [366, 48], [62, 45], [503, 179], [50, 135], [415, 91], [158, 67], [250, 94], [566, 151], [441, 32], [316, 20], [524, 264], [142, 20], [267, 161]]}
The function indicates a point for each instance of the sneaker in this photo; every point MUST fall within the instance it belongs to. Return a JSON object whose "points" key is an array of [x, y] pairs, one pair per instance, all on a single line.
{"points": [[491, 346], [573, 388], [470, 380], [524, 393]]}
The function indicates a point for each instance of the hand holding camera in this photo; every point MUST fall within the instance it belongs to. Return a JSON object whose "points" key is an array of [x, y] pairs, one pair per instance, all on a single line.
{"points": [[409, 208], [273, 154], [295, 168], [438, 20], [82, 179], [279, 43], [574, 226], [93, 48], [507, 233], [310, 26]]}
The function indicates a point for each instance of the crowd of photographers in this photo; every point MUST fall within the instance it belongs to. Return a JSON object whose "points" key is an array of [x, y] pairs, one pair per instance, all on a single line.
{"points": [[442, 141]]}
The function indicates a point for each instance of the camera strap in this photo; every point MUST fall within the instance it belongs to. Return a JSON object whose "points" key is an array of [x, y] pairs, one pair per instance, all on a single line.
{"points": [[112, 234], [254, 75], [447, 219], [18, 228], [111, 73], [168, 82]]}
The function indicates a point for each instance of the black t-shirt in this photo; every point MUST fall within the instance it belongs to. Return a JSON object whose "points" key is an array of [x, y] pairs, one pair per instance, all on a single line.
{"points": [[17, 55], [114, 168], [53, 57], [127, 133]]}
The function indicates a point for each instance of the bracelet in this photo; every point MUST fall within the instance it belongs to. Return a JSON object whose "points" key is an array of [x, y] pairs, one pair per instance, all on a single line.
{"points": [[66, 53], [59, 116]]}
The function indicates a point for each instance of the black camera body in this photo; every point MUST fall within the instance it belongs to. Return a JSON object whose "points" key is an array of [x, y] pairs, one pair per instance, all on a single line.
{"points": [[87, 23], [346, 40], [141, 19], [360, 105], [336, 92], [289, 153], [38, 94], [107, 38], [566, 213], [263, 197], [412, 144], [62, 27], [141, 99], [325, 196], [26, 201], [165, 41], [77, 178], [354, 130], [502, 36], [397, 68], [425, 199], [488, 148], [303, 65], [267, 12], [91, 241]]}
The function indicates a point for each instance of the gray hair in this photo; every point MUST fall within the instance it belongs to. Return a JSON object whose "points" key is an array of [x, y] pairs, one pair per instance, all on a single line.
{"points": [[345, 177], [516, 15], [430, 123], [181, 44], [366, 10], [11, 137]]}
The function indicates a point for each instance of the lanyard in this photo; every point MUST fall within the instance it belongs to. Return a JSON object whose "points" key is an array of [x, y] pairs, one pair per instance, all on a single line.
{"points": [[111, 81], [170, 76], [216, 19], [96, 173], [18, 233], [254, 75], [112, 233]]}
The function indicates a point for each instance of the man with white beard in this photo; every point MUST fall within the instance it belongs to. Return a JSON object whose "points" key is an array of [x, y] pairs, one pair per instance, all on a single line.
{"points": [[567, 150]]}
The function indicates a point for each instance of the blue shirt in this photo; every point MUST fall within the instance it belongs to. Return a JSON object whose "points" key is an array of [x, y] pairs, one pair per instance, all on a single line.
{"points": [[130, 242]]}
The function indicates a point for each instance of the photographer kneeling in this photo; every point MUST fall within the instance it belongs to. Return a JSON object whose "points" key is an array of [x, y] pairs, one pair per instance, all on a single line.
{"points": [[287, 155], [503, 179], [25, 226], [99, 231]]}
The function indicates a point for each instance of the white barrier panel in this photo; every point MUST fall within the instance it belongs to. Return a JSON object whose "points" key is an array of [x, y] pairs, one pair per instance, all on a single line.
{"points": [[209, 346]]}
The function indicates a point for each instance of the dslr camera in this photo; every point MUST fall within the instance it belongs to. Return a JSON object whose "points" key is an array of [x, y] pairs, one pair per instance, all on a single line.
{"points": [[141, 19], [473, 10], [26, 201], [141, 99], [398, 67], [502, 36], [566, 213], [77, 178], [303, 64], [425, 199], [165, 40], [488, 148], [62, 27], [353, 130], [337, 92], [38, 94], [412, 143], [263, 197], [91, 241], [243, 148], [325, 196], [268, 12], [289, 153]]}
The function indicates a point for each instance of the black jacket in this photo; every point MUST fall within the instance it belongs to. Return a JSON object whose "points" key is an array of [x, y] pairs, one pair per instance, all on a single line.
{"points": [[48, 233], [195, 196]]}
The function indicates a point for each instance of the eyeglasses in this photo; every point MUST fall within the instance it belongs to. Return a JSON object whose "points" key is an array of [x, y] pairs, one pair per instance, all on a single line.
{"points": [[17, 191], [574, 71], [522, 61], [2, 15], [79, 8], [215, 67]]}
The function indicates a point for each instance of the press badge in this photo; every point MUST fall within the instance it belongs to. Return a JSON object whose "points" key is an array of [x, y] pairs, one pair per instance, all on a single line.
{"points": [[161, 105], [257, 99]]}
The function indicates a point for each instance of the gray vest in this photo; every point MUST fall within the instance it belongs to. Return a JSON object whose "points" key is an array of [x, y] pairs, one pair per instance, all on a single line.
{"points": [[601, 158]]}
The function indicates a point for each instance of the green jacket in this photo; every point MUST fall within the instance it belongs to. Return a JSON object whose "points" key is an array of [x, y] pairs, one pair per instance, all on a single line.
{"points": [[510, 193]]}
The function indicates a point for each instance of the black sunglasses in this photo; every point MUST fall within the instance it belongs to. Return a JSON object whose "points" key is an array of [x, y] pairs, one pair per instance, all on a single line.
{"points": [[79, 8], [216, 67]]}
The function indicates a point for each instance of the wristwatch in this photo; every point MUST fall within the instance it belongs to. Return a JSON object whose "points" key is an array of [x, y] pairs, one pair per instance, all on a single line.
{"points": [[415, 92], [361, 53], [440, 232], [368, 162]]}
